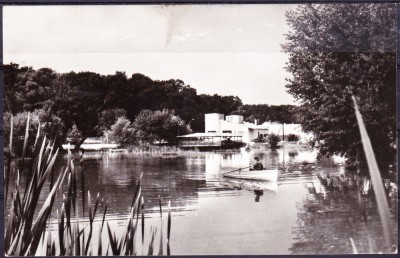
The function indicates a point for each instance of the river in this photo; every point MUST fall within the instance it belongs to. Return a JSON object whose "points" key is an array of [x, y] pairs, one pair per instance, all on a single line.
{"points": [[212, 215]]}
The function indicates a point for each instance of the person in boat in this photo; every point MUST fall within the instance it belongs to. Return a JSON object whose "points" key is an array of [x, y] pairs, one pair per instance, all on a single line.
{"points": [[258, 165]]}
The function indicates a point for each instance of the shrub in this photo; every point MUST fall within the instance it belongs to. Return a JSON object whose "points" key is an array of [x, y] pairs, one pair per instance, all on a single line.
{"points": [[122, 132], [293, 138], [160, 126], [109, 117], [273, 140]]}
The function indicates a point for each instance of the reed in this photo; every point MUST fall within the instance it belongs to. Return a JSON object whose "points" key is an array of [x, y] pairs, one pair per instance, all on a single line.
{"points": [[376, 179], [28, 229]]}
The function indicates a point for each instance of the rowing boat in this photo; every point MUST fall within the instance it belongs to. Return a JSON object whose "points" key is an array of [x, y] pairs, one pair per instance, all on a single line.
{"points": [[260, 175]]}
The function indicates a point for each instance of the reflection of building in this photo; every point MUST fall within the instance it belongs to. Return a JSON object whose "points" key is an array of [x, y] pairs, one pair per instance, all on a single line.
{"points": [[215, 162]]}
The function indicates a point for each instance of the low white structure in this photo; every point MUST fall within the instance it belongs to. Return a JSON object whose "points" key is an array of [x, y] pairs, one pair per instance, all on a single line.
{"points": [[233, 124], [284, 131], [219, 128], [92, 144]]}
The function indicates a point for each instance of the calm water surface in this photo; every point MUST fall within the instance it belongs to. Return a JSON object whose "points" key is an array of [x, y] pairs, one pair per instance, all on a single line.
{"points": [[214, 215]]}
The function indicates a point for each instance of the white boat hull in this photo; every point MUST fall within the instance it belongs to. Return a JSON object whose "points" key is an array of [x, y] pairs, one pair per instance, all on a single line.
{"points": [[261, 175]]}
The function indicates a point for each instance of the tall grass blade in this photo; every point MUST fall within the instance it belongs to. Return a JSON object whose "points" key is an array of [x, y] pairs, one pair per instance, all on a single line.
{"points": [[169, 222], [77, 236], [67, 202], [11, 134], [37, 136], [7, 175], [9, 229], [161, 248], [26, 136], [92, 214], [353, 246], [96, 205], [8, 170], [371, 250], [83, 191], [137, 190], [100, 247], [376, 178], [142, 202], [130, 243], [151, 244], [49, 251], [113, 242], [40, 155], [104, 216], [43, 215], [43, 177], [61, 232]]}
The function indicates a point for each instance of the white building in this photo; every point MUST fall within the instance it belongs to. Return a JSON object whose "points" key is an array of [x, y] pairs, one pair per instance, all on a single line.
{"points": [[220, 129], [286, 130], [233, 124]]}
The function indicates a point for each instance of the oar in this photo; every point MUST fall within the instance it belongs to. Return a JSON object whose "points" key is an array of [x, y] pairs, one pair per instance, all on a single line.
{"points": [[239, 169]]}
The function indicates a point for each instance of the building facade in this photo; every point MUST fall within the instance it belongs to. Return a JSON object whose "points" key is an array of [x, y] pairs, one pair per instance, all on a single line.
{"points": [[233, 124], [232, 129]]}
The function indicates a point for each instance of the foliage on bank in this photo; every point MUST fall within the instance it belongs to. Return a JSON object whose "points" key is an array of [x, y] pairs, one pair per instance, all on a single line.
{"points": [[87, 99], [149, 127], [92, 103], [337, 51], [264, 113]]}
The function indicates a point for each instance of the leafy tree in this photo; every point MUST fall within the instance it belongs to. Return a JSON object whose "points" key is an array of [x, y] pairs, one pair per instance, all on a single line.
{"points": [[336, 51], [31, 88], [159, 126], [51, 127], [264, 113], [108, 117], [12, 73], [122, 132], [90, 92]]}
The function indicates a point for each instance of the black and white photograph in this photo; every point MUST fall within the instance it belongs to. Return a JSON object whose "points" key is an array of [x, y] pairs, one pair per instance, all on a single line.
{"points": [[200, 129]]}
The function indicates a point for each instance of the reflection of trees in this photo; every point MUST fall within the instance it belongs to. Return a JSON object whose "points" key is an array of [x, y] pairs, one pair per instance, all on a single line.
{"points": [[115, 180], [328, 218]]}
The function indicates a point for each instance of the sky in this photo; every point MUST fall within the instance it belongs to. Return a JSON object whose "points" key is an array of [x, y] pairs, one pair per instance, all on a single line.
{"points": [[216, 49]]}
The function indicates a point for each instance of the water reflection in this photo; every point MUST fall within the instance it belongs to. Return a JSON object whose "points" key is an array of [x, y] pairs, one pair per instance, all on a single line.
{"points": [[299, 214], [258, 193], [328, 219]]}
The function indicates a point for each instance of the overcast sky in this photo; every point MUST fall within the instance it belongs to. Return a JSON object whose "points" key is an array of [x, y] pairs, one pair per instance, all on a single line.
{"points": [[222, 49]]}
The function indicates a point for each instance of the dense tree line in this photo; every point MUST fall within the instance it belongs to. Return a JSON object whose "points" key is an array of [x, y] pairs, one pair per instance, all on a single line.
{"points": [[88, 104], [337, 51], [265, 113], [80, 98]]}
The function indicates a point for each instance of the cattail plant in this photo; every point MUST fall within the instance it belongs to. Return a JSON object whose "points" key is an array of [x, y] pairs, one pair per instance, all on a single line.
{"points": [[29, 234]]}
